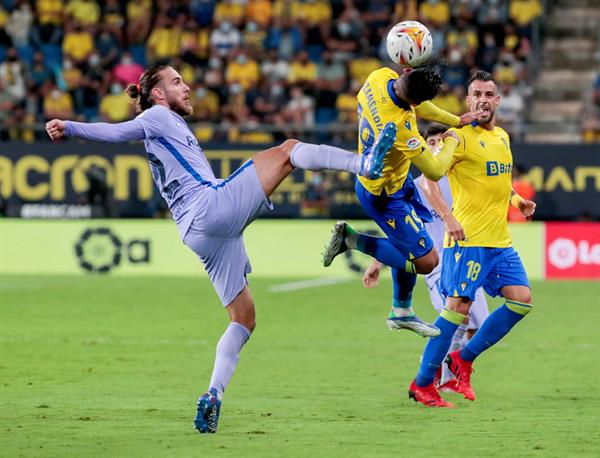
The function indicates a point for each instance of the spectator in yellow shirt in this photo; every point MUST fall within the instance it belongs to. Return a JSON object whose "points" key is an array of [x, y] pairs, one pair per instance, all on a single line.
{"points": [[205, 103], [139, 13], [163, 42], [435, 11], [78, 44], [116, 106], [57, 104], [302, 70], [523, 12], [361, 67], [243, 70], [259, 11], [229, 10], [86, 12]]}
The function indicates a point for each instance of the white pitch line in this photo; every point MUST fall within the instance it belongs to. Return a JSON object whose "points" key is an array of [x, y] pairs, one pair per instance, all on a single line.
{"points": [[303, 284]]}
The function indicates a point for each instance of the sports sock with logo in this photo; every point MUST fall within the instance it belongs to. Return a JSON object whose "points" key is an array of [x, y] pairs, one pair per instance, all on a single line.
{"points": [[437, 347], [496, 326]]}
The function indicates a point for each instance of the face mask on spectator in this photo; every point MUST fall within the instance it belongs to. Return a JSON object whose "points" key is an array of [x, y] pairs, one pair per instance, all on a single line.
{"points": [[251, 27], [116, 88], [344, 28], [214, 62], [235, 89], [454, 56], [200, 92], [276, 90], [241, 59], [94, 59], [55, 94], [225, 26], [126, 60], [67, 65]]}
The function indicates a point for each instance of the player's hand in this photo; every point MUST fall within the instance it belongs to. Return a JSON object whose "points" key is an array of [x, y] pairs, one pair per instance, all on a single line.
{"points": [[55, 129], [453, 228], [371, 275], [527, 208], [450, 133], [469, 117]]}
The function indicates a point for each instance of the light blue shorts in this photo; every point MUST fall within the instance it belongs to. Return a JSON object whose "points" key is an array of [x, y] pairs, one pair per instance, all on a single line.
{"points": [[216, 233]]}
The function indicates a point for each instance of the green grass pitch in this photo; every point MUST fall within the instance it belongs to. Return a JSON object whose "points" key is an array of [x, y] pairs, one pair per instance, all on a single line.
{"points": [[112, 366]]}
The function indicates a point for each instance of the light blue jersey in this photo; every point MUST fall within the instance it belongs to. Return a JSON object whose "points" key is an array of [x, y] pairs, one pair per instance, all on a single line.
{"points": [[179, 166]]}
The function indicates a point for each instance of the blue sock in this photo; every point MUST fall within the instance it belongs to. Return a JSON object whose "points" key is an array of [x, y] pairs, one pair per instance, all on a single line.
{"points": [[437, 347], [404, 283], [386, 253], [496, 326]]}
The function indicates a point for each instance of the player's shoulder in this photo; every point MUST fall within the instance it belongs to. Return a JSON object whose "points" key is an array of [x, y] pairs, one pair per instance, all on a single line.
{"points": [[499, 131], [155, 111], [382, 74]]}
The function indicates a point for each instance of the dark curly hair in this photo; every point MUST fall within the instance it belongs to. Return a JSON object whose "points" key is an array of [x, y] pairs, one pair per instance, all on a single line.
{"points": [[141, 91], [422, 84]]}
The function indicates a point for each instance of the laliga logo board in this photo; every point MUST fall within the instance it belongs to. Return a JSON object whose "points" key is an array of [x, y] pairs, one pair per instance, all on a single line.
{"points": [[572, 250]]}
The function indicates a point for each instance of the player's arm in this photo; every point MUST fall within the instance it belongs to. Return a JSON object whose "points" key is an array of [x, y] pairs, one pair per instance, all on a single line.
{"points": [[97, 131], [429, 111], [527, 207], [433, 166], [431, 190]]}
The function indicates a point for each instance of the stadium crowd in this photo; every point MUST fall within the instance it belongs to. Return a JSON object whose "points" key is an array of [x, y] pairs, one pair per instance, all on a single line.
{"points": [[289, 64]]}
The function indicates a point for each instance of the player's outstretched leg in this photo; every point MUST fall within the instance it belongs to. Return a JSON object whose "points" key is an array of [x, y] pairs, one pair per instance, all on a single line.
{"points": [[209, 408]]}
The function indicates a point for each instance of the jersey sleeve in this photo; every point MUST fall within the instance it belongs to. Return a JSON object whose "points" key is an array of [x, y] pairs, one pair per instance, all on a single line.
{"points": [[408, 139], [427, 110], [105, 132], [459, 152]]}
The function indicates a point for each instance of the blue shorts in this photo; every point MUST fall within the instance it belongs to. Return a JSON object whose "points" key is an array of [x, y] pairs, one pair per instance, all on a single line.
{"points": [[464, 269], [401, 216]]}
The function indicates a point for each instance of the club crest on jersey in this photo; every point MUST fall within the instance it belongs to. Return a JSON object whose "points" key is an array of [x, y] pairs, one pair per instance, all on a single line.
{"points": [[407, 124], [457, 256], [482, 143], [413, 143], [422, 242], [463, 285], [392, 223]]}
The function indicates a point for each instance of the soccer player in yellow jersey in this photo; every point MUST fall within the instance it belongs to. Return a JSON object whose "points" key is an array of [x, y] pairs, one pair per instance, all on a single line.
{"points": [[392, 200], [480, 252]]}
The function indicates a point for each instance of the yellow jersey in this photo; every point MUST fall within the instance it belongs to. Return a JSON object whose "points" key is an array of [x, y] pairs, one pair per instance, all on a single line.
{"points": [[481, 184], [377, 105]]}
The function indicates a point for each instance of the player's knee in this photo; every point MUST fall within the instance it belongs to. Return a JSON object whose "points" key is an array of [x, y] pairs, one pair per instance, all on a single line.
{"points": [[426, 266], [287, 146]]}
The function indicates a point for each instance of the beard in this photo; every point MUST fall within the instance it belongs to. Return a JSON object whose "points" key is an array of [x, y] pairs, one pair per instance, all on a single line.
{"points": [[182, 108]]}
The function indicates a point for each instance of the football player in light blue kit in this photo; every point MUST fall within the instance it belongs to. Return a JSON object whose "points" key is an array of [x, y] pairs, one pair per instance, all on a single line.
{"points": [[443, 221], [211, 214]]}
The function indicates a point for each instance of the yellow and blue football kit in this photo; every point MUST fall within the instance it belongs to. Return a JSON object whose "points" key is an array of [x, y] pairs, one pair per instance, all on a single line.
{"points": [[391, 200], [480, 180], [481, 183]]}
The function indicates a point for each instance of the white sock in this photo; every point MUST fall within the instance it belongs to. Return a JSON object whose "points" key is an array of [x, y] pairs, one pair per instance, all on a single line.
{"points": [[226, 359], [309, 156], [459, 340]]}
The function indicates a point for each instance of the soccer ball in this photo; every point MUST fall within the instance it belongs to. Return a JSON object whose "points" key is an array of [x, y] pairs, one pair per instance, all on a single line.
{"points": [[409, 43]]}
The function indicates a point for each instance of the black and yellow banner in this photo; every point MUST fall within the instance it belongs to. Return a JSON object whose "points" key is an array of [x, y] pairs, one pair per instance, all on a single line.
{"points": [[46, 175]]}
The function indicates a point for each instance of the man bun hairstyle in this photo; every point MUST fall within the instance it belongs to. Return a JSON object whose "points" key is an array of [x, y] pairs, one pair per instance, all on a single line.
{"points": [[422, 84], [142, 91]]}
